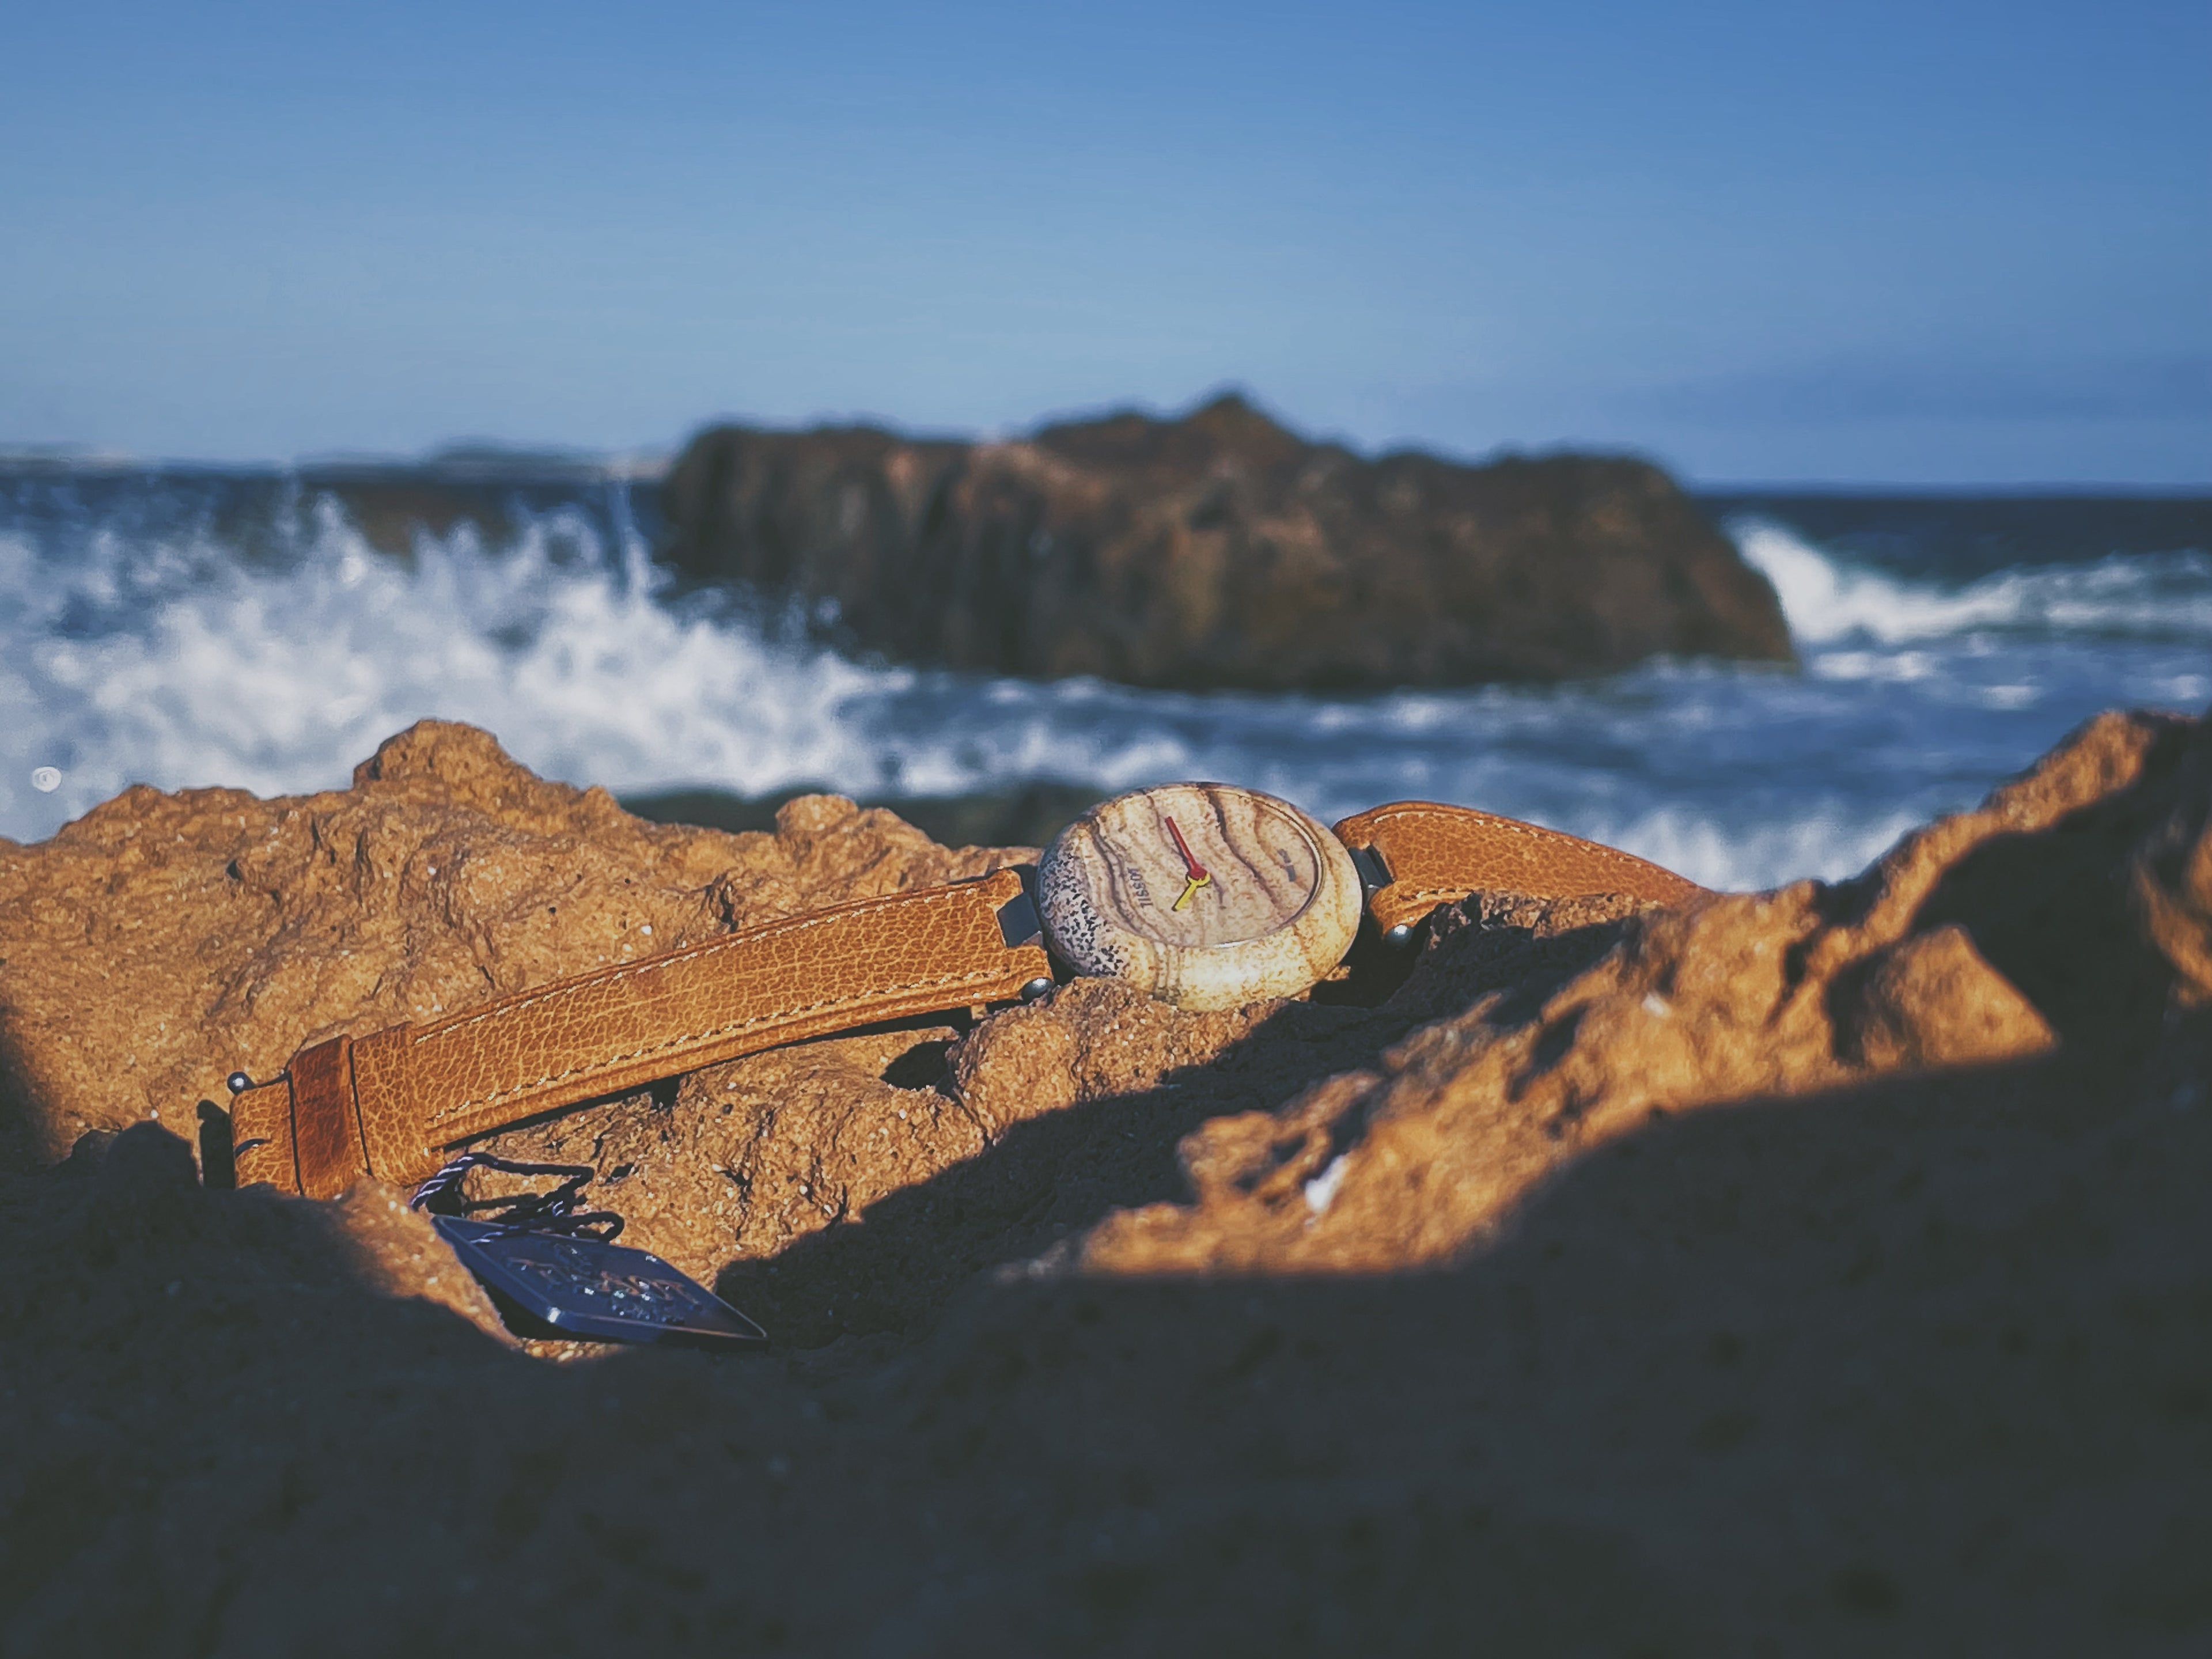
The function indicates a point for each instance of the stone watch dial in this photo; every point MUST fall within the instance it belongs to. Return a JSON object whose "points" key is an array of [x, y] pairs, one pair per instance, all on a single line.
{"points": [[1207, 895]]}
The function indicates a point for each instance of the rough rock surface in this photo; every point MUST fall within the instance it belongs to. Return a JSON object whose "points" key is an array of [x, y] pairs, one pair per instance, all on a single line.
{"points": [[161, 942], [1218, 549], [1818, 1271]]}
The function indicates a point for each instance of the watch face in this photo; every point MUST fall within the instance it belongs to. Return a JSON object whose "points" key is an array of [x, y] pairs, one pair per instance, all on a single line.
{"points": [[1206, 895]]}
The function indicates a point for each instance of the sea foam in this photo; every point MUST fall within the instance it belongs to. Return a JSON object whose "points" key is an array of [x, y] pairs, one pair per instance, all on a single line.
{"points": [[2154, 596], [140, 642]]}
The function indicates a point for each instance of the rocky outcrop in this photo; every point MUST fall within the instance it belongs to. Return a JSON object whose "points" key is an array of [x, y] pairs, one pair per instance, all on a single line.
{"points": [[162, 941], [1819, 1269], [1218, 549]]}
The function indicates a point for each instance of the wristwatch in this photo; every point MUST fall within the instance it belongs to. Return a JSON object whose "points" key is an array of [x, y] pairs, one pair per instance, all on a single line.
{"points": [[1206, 895]]}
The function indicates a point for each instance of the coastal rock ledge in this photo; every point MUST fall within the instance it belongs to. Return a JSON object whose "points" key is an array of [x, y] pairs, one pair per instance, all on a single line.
{"points": [[1820, 1270], [1218, 550]]}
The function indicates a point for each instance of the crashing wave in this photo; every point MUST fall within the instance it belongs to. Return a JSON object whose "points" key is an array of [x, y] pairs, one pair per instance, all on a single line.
{"points": [[2156, 595], [147, 642]]}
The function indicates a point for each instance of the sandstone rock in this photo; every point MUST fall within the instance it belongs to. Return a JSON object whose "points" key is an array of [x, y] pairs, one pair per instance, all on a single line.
{"points": [[393, 1250], [1974, 940], [1754, 1277], [161, 942], [816, 1183], [1932, 1000], [1218, 549]]}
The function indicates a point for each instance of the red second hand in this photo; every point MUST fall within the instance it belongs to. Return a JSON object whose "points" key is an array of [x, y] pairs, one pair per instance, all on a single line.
{"points": [[1197, 870], [1197, 876]]}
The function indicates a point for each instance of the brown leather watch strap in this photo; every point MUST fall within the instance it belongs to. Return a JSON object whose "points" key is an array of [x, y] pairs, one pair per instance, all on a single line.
{"points": [[1433, 855], [389, 1103]]}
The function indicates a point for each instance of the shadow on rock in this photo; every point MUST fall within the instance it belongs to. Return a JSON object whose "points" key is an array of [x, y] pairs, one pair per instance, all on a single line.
{"points": [[2058, 914], [1913, 1366], [1831, 1373], [1044, 1180]]}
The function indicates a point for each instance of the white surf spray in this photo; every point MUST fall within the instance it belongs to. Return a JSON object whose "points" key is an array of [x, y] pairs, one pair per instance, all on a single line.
{"points": [[137, 648], [278, 680], [2155, 596]]}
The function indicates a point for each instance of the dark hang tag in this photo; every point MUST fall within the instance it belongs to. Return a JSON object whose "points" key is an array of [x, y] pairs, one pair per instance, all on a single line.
{"points": [[602, 1293]]}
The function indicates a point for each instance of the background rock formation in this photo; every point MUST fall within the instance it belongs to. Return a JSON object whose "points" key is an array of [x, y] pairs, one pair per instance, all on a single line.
{"points": [[1218, 549], [1821, 1270]]}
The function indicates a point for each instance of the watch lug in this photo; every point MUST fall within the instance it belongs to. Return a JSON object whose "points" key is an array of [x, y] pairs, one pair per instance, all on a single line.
{"points": [[1374, 873], [1018, 922]]}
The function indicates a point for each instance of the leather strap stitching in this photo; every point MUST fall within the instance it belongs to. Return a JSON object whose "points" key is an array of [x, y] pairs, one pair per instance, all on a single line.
{"points": [[699, 953], [1491, 821], [977, 976]]}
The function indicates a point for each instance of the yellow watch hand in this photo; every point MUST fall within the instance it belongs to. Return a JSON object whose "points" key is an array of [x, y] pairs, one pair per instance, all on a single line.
{"points": [[1197, 877]]}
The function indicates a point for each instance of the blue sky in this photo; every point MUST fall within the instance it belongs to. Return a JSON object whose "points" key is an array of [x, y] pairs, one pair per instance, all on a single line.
{"points": [[1948, 243]]}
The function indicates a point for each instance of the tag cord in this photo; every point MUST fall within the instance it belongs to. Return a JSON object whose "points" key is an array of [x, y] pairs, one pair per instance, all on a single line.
{"points": [[554, 1212]]}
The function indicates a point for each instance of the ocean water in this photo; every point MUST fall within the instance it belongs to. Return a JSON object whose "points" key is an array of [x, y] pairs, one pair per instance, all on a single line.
{"points": [[266, 630]]}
